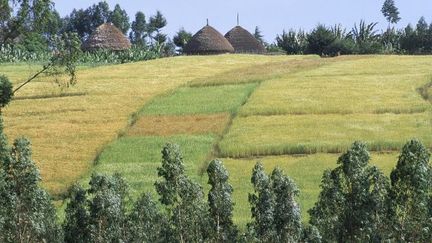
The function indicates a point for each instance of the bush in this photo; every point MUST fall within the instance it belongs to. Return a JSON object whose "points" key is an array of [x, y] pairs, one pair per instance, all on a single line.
{"points": [[319, 39], [6, 92], [340, 47]]}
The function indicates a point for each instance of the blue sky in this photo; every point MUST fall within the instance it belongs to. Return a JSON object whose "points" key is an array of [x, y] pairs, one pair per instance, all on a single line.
{"points": [[272, 16]]}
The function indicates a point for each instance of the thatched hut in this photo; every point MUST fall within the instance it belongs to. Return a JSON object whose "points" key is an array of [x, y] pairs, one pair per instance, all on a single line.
{"points": [[107, 37], [208, 41], [244, 42]]}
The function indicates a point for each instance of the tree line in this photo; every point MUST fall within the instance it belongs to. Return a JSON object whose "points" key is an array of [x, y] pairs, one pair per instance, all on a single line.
{"points": [[30, 23], [362, 38], [357, 202]]}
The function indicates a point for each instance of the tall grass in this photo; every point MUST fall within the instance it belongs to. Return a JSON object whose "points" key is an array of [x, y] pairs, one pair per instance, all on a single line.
{"points": [[308, 134], [67, 133], [369, 85], [306, 171], [202, 100]]}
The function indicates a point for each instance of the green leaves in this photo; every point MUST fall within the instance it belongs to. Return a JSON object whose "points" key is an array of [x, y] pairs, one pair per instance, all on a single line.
{"points": [[353, 200], [390, 11], [275, 213], [410, 193], [220, 203], [26, 214], [5, 91]]}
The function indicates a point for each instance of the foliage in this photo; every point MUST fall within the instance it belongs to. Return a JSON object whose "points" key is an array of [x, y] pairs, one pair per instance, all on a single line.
{"points": [[66, 53], [319, 39], [183, 199], [292, 42], [139, 30], [366, 38], [120, 19], [411, 189], [258, 35], [145, 223], [352, 204], [76, 226], [155, 26], [275, 213], [6, 92], [181, 38], [390, 11], [26, 213], [220, 203]]}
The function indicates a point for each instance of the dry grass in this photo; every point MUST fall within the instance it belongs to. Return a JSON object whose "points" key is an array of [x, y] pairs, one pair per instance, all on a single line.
{"points": [[366, 85], [68, 132], [304, 134], [306, 171], [172, 125]]}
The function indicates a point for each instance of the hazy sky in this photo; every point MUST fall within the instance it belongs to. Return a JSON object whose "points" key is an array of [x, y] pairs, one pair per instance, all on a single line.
{"points": [[272, 16]]}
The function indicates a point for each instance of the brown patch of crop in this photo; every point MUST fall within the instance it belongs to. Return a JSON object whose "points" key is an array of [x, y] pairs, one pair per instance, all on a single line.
{"points": [[187, 124]]}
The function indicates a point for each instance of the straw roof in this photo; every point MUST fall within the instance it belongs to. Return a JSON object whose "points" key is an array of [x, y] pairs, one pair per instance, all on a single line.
{"points": [[244, 42], [107, 36], [208, 41]]}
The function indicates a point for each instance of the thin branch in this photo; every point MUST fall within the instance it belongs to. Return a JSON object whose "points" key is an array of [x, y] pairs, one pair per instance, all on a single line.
{"points": [[33, 77]]}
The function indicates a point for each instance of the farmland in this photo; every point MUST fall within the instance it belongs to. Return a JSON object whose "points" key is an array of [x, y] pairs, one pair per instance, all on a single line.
{"points": [[298, 113]]}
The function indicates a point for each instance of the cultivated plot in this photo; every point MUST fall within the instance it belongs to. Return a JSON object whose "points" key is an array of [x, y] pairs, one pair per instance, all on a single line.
{"points": [[370, 85], [203, 100], [137, 158], [68, 132], [261, 72], [186, 124], [305, 134], [306, 171]]}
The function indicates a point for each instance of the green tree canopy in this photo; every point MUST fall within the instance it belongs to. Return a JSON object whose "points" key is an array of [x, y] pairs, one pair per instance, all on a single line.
{"points": [[390, 11]]}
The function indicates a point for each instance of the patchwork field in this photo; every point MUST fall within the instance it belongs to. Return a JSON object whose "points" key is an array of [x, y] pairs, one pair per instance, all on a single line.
{"points": [[68, 132], [298, 113]]}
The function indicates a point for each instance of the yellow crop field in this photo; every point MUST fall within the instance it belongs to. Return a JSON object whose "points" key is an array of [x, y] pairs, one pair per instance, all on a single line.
{"points": [[366, 85]]}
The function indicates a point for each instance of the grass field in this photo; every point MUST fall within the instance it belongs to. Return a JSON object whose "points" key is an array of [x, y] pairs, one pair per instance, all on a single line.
{"points": [[137, 158], [238, 106], [339, 88], [202, 100], [67, 133], [306, 134], [306, 171]]}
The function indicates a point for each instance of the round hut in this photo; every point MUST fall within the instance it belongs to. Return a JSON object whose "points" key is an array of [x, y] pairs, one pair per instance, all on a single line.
{"points": [[107, 37], [244, 42], [208, 41]]}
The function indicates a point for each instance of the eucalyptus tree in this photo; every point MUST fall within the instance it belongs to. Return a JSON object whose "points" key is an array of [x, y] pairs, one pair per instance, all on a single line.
{"points": [[26, 214], [262, 206], [145, 222], [183, 199], [139, 27], [220, 203], [120, 19], [411, 190], [287, 216], [390, 12], [352, 204]]}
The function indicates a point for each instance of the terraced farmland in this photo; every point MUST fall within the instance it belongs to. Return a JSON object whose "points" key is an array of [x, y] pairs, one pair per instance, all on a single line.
{"points": [[298, 113]]}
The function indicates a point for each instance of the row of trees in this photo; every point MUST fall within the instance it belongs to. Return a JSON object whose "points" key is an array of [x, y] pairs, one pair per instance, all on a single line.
{"points": [[31, 24], [361, 39]]}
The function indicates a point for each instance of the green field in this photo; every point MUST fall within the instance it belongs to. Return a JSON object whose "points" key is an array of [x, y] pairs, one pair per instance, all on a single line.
{"points": [[203, 100], [296, 112], [307, 134]]}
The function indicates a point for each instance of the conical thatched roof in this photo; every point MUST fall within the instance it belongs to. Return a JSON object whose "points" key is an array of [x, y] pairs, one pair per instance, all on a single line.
{"points": [[244, 42], [107, 36], [208, 41]]}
